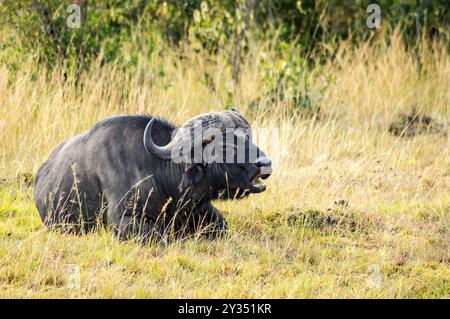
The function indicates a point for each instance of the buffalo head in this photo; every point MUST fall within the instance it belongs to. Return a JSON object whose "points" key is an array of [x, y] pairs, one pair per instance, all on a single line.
{"points": [[217, 156]]}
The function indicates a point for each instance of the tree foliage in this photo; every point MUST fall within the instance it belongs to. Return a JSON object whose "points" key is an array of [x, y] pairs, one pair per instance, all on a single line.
{"points": [[108, 28]]}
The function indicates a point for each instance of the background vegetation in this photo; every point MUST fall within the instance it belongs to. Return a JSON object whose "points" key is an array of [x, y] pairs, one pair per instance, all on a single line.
{"points": [[358, 205]]}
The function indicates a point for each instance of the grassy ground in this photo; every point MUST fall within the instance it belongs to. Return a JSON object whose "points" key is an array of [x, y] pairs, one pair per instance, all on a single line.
{"points": [[350, 211]]}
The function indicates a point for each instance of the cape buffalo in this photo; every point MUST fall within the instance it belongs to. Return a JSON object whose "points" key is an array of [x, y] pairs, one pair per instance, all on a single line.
{"points": [[137, 173]]}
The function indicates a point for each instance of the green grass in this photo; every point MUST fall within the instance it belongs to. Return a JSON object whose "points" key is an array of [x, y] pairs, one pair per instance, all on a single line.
{"points": [[392, 240], [393, 255]]}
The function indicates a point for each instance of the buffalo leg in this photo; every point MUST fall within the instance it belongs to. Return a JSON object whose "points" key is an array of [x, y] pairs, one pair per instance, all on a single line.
{"points": [[207, 222], [131, 227], [129, 221]]}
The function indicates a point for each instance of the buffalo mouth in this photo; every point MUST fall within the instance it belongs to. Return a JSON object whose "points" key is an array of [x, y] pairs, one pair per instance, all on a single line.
{"points": [[256, 184]]}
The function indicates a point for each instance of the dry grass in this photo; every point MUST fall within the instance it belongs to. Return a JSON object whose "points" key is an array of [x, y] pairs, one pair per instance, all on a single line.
{"points": [[392, 240]]}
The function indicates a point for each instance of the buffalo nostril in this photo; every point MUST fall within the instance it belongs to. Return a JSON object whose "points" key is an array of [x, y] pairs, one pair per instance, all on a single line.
{"points": [[263, 161]]}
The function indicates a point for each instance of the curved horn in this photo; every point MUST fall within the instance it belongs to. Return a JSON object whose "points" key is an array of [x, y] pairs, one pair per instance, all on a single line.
{"points": [[163, 152]]}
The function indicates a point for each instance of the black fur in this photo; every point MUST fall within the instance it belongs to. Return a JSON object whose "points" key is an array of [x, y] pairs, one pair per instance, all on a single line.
{"points": [[105, 177]]}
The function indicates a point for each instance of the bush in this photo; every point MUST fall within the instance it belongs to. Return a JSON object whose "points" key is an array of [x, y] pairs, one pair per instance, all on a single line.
{"points": [[108, 27]]}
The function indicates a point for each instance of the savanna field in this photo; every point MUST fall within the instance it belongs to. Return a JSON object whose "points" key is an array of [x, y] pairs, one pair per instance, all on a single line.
{"points": [[358, 204]]}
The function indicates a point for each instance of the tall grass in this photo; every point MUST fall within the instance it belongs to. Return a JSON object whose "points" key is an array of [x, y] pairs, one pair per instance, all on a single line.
{"points": [[397, 188]]}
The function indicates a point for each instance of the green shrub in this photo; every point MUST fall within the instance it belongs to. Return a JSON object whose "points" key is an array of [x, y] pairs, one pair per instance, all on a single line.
{"points": [[120, 30]]}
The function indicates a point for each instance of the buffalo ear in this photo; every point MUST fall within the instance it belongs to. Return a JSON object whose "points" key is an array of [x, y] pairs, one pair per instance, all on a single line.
{"points": [[192, 175]]}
